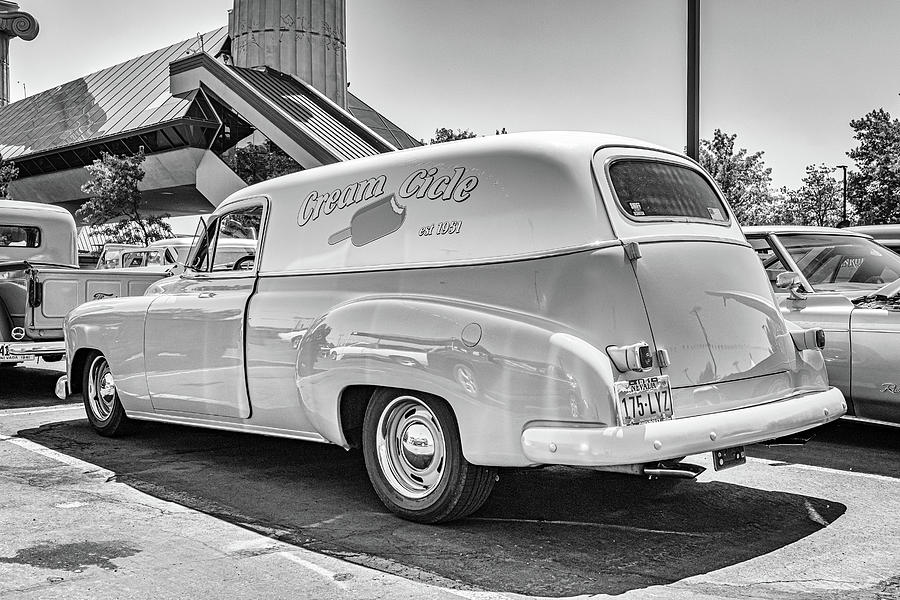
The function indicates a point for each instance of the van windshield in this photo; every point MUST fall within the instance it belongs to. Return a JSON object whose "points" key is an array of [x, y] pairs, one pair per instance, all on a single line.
{"points": [[651, 190]]}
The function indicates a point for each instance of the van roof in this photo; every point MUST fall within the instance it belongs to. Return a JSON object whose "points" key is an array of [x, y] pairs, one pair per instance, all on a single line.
{"points": [[557, 142]]}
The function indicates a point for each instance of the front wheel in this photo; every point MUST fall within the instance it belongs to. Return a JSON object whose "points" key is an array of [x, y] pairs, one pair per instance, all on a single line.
{"points": [[414, 459], [101, 399]]}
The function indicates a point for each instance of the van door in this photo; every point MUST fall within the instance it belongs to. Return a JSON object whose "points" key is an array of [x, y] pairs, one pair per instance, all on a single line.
{"points": [[706, 295], [194, 334]]}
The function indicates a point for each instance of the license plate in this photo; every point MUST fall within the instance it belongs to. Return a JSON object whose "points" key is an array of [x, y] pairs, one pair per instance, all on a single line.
{"points": [[644, 400], [5, 356], [728, 457]]}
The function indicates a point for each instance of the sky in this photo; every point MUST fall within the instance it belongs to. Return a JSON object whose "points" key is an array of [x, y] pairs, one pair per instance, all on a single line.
{"points": [[785, 75]]}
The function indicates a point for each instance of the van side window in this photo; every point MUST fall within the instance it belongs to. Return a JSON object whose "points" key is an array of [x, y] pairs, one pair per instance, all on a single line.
{"points": [[229, 243], [655, 191]]}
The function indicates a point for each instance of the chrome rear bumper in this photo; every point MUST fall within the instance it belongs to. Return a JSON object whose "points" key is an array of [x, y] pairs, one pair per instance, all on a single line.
{"points": [[663, 440]]}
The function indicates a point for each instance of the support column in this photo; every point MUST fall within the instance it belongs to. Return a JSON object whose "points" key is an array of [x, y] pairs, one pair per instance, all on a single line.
{"points": [[13, 24]]}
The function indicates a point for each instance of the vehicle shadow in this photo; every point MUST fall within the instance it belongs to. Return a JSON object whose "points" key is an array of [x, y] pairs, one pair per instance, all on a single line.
{"points": [[843, 445], [31, 386], [548, 532]]}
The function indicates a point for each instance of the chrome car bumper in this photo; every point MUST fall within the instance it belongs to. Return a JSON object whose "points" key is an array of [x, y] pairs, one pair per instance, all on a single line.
{"points": [[15, 349], [62, 388], [663, 440]]}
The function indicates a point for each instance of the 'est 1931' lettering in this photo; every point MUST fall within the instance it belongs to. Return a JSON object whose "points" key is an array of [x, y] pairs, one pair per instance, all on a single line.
{"points": [[442, 228]]}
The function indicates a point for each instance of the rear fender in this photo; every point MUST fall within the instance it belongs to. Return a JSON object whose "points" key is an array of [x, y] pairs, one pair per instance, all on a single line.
{"points": [[497, 369]]}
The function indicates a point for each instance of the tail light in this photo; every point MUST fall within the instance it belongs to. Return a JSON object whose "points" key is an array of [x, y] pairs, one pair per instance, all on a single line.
{"points": [[809, 339], [634, 357]]}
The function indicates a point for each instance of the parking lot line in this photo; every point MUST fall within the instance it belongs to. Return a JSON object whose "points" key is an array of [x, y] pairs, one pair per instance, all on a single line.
{"points": [[57, 456], [825, 470]]}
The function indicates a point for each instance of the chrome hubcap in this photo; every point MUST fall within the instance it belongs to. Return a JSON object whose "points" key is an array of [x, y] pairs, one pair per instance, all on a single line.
{"points": [[101, 389], [410, 445]]}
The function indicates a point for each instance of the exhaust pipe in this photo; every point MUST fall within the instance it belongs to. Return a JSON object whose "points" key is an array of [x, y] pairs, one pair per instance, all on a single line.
{"points": [[657, 470], [678, 470]]}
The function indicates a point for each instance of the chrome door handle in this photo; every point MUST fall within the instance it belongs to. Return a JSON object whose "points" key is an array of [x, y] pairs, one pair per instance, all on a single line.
{"points": [[206, 295]]}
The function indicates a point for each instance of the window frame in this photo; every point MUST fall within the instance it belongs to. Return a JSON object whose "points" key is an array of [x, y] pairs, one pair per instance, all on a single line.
{"points": [[726, 209], [25, 228], [212, 231]]}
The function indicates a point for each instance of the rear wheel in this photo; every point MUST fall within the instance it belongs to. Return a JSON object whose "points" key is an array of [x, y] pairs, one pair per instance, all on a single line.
{"points": [[101, 398], [414, 459]]}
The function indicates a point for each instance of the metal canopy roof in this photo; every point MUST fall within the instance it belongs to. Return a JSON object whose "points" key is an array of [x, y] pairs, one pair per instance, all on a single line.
{"points": [[322, 120], [132, 96], [129, 96], [379, 124]]}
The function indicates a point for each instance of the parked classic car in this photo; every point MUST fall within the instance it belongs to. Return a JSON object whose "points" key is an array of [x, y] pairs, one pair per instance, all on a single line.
{"points": [[517, 300], [847, 284], [886, 235], [40, 280]]}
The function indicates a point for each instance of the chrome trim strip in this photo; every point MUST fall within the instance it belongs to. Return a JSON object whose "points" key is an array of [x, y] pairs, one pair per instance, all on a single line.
{"points": [[226, 426], [38, 348], [455, 263], [876, 330]]}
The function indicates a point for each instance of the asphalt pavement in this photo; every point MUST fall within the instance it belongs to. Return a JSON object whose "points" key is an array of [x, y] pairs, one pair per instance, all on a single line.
{"points": [[176, 512]]}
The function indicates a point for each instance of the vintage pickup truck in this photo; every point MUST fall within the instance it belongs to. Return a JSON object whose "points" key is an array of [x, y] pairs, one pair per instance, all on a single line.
{"points": [[40, 280], [510, 301]]}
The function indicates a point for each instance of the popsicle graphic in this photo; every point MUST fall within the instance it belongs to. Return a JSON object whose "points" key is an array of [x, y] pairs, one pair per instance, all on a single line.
{"points": [[371, 222]]}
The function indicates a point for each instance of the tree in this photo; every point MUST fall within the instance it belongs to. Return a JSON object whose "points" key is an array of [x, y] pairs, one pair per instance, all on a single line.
{"points": [[819, 200], [443, 134], [743, 178], [8, 172], [875, 186], [259, 162], [116, 204]]}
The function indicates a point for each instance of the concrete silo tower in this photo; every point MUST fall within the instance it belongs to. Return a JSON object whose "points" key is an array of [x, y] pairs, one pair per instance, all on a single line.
{"points": [[13, 23], [299, 37]]}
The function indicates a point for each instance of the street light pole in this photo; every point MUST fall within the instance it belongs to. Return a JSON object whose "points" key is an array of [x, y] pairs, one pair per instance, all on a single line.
{"points": [[844, 222], [693, 79]]}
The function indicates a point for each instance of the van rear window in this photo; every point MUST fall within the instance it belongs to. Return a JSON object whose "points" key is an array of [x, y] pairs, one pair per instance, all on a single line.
{"points": [[19, 236], [649, 190]]}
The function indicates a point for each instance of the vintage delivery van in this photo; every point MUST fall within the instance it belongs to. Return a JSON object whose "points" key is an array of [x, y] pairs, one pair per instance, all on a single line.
{"points": [[518, 300]]}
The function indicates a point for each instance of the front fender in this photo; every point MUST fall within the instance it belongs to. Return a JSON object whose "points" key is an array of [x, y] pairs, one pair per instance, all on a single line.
{"points": [[114, 327], [497, 369]]}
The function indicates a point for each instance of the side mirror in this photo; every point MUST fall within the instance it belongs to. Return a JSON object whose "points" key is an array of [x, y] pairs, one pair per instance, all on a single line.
{"points": [[791, 281]]}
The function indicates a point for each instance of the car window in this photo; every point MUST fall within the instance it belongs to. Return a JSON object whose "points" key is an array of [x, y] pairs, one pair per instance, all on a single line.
{"points": [[19, 236], [237, 235], [651, 190], [229, 241], [770, 261], [133, 259], [837, 262]]}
